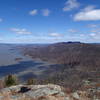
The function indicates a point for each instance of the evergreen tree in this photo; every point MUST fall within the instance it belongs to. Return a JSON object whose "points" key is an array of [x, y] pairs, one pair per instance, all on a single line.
{"points": [[10, 80]]}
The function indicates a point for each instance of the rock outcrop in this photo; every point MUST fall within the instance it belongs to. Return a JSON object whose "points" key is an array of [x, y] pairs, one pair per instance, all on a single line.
{"points": [[41, 92]]}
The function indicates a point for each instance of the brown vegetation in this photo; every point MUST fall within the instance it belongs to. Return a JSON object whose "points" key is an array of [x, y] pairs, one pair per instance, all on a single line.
{"points": [[75, 62]]}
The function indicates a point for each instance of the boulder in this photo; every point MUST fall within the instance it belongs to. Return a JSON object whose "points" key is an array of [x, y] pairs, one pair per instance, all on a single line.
{"points": [[42, 92]]}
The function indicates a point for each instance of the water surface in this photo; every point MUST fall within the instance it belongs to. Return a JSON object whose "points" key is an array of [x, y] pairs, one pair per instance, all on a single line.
{"points": [[24, 68]]}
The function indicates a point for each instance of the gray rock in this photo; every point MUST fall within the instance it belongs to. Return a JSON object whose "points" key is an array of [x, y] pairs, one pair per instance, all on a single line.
{"points": [[41, 92]]}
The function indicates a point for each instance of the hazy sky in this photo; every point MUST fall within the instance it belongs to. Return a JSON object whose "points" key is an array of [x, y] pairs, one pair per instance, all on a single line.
{"points": [[47, 21]]}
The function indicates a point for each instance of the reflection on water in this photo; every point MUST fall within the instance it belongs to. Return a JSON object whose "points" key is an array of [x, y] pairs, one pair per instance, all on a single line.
{"points": [[17, 68]]}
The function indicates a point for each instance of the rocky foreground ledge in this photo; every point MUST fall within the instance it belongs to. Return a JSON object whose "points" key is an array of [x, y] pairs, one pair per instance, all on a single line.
{"points": [[41, 92]]}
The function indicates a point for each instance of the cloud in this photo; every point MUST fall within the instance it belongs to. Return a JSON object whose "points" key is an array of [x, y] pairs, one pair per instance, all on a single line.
{"points": [[33, 12], [1, 38], [97, 30], [88, 14], [93, 34], [1, 19], [46, 12], [33, 39], [55, 34], [82, 35], [89, 8], [92, 25], [70, 5], [72, 30], [94, 31], [20, 31]]}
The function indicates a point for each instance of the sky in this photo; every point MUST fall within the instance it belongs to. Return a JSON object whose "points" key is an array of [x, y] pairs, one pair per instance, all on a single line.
{"points": [[49, 21]]}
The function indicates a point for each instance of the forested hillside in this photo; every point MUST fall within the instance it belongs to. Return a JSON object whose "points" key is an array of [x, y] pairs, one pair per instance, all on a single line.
{"points": [[75, 62]]}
